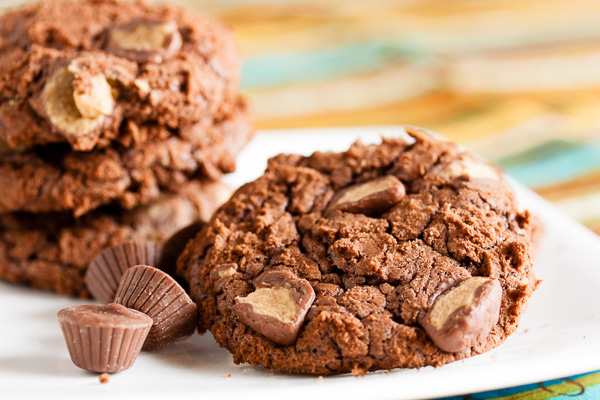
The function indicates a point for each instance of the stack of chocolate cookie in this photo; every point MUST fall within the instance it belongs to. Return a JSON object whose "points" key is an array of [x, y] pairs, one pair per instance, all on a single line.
{"points": [[117, 120]]}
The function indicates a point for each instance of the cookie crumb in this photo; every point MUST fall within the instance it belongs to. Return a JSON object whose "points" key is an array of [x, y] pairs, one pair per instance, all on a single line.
{"points": [[357, 371], [320, 378], [104, 378], [526, 330]]}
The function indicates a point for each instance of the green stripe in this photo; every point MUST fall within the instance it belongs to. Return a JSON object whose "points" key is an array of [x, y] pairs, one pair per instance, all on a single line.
{"points": [[553, 163], [356, 58]]}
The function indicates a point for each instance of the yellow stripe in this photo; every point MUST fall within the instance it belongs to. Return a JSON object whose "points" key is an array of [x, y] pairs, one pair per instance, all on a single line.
{"points": [[422, 111], [461, 118], [449, 26], [580, 186], [501, 116]]}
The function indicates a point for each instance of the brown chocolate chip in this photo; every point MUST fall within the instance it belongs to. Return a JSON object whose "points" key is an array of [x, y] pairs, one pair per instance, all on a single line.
{"points": [[157, 295], [145, 41], [104, 338], [172, 249], [277, 307], [370, 198], [104, 272], [464, 315], [468, 167]]}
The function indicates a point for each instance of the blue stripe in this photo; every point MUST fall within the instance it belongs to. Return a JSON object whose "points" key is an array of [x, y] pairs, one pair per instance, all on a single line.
{"points": [[355, 58], [553, 163], [494, 394]]}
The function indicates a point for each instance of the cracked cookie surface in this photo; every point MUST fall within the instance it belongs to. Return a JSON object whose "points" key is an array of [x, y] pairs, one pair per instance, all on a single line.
{"points": [[53, 178], [83, 71], [52, 251], [376, 267]]}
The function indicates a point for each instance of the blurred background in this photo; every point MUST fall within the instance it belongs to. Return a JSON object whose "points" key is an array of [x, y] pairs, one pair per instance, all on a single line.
{"points": [[517, 81]]}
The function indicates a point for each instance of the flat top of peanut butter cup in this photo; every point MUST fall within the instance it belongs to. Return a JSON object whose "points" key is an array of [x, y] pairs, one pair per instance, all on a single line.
{"points": [[114, 315]]}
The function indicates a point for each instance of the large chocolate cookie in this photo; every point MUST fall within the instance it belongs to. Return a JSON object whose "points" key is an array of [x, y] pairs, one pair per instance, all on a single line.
{"points": [[84, 72], [52, 251], [392, 255], [53, 178]]}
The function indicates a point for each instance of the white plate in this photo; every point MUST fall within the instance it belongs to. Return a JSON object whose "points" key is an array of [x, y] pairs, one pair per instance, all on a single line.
{"points": [[559, 334]]}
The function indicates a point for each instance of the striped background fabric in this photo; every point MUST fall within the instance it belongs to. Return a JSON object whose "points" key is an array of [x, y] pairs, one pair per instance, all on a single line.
{"points": [[517, 81]]}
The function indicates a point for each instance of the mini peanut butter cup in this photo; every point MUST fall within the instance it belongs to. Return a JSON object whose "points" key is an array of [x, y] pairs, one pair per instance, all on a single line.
{"points": [[172, 249], [158, 295], [463, 316], [277, 307], [371, 198], [145, 40], [104, 338], [106, 269]]}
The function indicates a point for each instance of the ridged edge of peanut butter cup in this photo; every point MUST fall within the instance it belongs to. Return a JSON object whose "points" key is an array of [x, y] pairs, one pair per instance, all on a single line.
{"points": [[158, 295], [106, 269]]}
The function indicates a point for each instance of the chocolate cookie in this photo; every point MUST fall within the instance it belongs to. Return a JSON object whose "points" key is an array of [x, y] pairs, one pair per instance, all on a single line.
{"points": [[89, 72], [53, 178], [403, 254], [52, 251]]}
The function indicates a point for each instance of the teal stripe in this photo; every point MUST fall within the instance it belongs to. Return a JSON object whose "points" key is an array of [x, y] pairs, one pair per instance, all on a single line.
{"points": [[355, 58], [590, 392], [553, 163], [539, 153]]}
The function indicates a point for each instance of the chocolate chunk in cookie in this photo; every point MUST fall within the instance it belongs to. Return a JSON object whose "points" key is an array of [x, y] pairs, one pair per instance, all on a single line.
{"points": [[145, 40], [74, 105], [370, 198], [464, 315], [277, 306]]}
